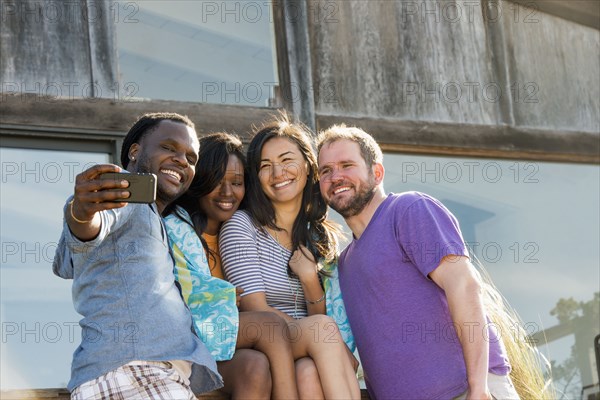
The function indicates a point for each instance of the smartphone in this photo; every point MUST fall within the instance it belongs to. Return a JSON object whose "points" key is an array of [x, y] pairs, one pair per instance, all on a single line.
{"points": [[142, 187]]}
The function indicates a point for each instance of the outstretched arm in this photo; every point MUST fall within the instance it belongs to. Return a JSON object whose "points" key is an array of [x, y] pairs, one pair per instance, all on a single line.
{"points": [[92, 195], [459, 280]]}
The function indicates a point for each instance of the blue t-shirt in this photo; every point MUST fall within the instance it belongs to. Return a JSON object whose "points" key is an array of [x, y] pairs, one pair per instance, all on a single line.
{"points": [[405, 336]]}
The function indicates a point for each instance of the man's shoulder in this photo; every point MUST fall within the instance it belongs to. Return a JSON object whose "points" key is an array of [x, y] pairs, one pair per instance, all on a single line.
{"points": [[416, 207], [397, 206], [135, 210], [398, 202], [410, 197], [178, 217], [134, 218]]}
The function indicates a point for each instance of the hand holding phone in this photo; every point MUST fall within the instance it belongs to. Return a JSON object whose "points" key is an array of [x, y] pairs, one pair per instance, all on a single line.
{"points": [[92, 195], [142, 187]]}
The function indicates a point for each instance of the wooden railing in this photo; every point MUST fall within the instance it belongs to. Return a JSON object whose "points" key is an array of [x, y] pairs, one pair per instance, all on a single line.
{"points": [[63, 394]]}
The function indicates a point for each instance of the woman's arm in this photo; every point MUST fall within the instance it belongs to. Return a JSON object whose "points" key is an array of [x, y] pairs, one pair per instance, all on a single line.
{"points": [[258, 302], [305, 267]]}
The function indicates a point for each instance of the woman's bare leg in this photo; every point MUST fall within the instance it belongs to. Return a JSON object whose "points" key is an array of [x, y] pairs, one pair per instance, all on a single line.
{"points": [[309, 382], [319, 338], [267, 333], [247, 375]]}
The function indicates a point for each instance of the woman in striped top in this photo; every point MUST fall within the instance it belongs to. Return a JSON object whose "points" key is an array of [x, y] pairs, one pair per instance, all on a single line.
{"points": [[270, 250], [260, 356]]}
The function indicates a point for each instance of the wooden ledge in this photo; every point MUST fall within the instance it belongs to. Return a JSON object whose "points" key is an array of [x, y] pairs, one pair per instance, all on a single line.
{"points": [[63, 394]]}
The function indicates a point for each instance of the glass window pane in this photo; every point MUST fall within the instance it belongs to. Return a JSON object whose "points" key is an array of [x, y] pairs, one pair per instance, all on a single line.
{"points": [[201, 51], [40, 328], [535, 226]]}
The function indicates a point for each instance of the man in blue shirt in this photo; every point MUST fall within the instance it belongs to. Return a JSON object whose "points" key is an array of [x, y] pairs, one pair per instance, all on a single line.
{"points": [[137, 336]]}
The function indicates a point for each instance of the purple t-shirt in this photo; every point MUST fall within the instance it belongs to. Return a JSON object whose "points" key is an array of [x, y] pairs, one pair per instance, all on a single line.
{"points": [[407, 342]]}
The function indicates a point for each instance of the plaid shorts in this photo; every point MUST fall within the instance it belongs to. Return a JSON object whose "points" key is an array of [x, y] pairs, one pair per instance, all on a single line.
{"points": [[143, 380]]}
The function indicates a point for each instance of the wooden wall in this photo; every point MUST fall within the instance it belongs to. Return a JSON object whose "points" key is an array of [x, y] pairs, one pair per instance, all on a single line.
{"points": [[482, 63], [59, 48]]}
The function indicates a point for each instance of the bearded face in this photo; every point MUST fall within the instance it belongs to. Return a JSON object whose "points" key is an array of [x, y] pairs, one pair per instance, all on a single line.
{"points": [[354, 197], [347, 184]]}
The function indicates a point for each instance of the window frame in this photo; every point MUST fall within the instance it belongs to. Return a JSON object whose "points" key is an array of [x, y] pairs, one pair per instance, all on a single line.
{"points": [[486, 141], [97, 120], [79, 141], [47, 138]]}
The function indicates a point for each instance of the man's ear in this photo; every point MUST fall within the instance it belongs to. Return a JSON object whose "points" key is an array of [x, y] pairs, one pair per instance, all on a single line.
{"points": [[378, 172], [134, 151]]}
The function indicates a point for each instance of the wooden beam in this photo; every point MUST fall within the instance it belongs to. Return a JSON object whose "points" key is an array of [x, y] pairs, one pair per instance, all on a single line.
{"points": [[63, 394], [293, 59], [553, 333], [99, 118], [489, 141], [117, 116], [584, 12]]}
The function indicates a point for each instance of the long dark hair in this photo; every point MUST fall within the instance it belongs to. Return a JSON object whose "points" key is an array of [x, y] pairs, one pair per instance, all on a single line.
{"points": [[311, 227], [215, 150]]}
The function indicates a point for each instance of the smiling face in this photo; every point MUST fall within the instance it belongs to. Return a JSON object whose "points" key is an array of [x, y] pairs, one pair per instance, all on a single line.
{"points": [[347, 184], [282, 171], [220, 204], [170, 151]]}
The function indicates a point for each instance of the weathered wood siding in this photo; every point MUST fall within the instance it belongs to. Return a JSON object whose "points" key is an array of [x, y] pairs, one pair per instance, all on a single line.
{"points": [[562, 59], [377, 59], [60, 48], [483, 63]]}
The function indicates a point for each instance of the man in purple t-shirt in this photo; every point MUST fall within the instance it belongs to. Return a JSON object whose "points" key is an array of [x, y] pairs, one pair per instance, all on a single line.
{"points": [[412, 296]]}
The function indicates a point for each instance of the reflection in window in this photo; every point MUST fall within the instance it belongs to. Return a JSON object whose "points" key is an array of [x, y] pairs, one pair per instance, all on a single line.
{"points": [[535, 228], [199, 51], [40, 328]]}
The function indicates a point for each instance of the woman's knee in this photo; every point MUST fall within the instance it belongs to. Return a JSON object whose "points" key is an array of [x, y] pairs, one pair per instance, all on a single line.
{"points": [[307, 378], [320, 319], [257, 326], [256, 367], [248, 372], [306, 371], [324, 325]]}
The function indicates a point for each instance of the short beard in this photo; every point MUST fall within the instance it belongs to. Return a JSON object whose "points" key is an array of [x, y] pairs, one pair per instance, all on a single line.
{"points": [[142, 164], [358, 203]]}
